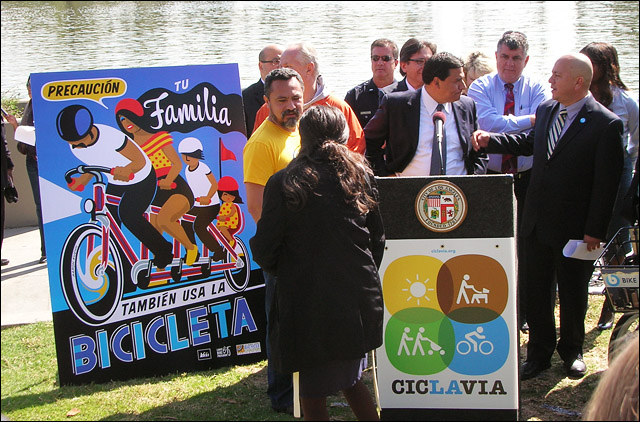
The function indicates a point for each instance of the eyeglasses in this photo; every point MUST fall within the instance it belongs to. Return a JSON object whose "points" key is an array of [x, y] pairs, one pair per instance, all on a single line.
{"points": [[420, 62], [274, 61], [384, 58]]}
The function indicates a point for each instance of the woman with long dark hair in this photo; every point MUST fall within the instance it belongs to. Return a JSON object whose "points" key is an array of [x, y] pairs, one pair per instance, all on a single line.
{"points": [[609, 90], [321, 233]]}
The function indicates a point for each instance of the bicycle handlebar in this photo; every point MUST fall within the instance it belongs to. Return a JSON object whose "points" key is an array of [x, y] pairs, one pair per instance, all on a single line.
{"points": [[93, 170]]}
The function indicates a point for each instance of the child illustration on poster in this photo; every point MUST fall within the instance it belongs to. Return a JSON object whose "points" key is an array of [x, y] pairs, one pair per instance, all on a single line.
{"points": [[130, 283]]}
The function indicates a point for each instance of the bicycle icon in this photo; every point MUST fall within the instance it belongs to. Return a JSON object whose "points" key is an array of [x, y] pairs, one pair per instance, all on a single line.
{"points": [[96, 256], [485, 347]]}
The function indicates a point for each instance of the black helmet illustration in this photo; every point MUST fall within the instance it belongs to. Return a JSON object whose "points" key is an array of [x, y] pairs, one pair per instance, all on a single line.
{"points": [[74, 122]]}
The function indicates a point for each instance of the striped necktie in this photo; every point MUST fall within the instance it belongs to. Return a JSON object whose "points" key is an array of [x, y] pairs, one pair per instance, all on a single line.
{"points": [[509, 162], [554, 134]]}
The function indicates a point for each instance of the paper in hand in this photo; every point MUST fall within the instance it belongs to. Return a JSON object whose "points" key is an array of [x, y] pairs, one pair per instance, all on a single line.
{"points": [[578, 249]]}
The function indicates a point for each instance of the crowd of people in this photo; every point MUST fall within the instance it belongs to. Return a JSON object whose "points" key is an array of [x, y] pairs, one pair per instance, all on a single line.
{"points": [[571, 146], [568, 149]]}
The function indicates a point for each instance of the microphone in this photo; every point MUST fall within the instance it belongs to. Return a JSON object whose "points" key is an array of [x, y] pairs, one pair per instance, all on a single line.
{"points": [[438, 120]]}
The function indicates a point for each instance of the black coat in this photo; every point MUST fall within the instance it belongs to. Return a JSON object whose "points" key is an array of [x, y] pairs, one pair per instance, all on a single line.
{"points": [[253, 98], [364, 100], [328, 296]]}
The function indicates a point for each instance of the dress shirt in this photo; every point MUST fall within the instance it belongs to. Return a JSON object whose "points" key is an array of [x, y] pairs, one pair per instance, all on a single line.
{"points": [[421, 163], [626, 108], [572, 112], [410, 87], [489, 93]]}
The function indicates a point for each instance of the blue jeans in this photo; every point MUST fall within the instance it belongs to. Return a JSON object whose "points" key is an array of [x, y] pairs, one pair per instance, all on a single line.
{"points": [[280, 386], [32, 171]]}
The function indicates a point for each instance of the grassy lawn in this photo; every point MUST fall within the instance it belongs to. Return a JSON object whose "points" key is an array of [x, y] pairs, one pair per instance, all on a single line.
{"points": [[30, 390]]}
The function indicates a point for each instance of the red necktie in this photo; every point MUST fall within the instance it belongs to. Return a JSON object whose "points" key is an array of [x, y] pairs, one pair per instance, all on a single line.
{"points": [[509, 162]]}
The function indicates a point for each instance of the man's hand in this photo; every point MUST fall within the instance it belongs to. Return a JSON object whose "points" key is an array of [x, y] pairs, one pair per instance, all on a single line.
{"points": [[592, 242], [480, 139], [122, 174]]}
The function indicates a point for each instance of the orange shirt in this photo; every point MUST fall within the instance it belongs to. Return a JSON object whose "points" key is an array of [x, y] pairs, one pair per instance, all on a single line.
{"points": [[356, 140]]}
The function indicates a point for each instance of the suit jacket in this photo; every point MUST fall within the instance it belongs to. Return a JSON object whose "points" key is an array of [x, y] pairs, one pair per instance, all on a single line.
{"points": [[328, 298], [392, 134], [572, 192], [395, 87], [253, 98]]}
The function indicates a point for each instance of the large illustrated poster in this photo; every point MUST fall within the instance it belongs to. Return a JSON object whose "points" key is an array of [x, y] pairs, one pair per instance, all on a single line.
{"points": [[145, 224]]}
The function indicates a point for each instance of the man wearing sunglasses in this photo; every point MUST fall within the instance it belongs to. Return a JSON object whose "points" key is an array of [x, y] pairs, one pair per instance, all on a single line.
{"points": [[253, 95], [413, 55], [364, 98]]}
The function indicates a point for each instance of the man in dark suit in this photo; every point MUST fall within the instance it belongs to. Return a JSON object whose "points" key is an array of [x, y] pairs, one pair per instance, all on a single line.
{"points": [[400, 136], [413, 55], [253, 95], [576, 145]]}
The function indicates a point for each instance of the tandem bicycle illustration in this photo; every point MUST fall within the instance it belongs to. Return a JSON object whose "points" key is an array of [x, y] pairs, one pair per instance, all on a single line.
{"points": [[96, 257]]}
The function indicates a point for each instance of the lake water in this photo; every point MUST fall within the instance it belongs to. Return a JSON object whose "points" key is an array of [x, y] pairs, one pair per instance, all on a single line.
{"points": [[83, 35]]}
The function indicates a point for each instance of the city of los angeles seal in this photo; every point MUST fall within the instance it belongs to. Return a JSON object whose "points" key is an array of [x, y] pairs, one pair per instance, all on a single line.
{"points": [[441, 206]]}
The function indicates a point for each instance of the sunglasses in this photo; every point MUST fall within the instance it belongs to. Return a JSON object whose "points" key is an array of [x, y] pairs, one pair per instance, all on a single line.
{"points": [[384, 58], [274, 61]]}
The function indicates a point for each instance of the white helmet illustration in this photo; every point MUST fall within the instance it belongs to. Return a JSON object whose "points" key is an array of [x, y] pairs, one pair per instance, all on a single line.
{"points": [[189, 145]]}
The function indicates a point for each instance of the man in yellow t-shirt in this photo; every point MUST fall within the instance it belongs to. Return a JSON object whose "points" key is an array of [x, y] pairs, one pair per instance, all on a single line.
{"points": [[276, 141], [271, 147]]}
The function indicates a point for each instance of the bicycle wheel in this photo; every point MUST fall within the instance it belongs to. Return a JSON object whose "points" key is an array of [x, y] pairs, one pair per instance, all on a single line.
{"points": [[92, 291], [238, 277], [627, 324]]}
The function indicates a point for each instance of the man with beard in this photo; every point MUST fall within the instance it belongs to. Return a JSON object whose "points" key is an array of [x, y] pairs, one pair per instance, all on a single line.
{"points": [[271, 147]]}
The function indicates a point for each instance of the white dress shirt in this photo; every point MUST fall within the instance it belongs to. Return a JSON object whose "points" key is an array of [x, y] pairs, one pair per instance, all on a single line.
{"points": [[420, 165]]}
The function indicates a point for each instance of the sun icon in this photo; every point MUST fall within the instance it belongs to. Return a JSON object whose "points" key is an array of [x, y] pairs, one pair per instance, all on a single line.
{"points": [[418, 289]]}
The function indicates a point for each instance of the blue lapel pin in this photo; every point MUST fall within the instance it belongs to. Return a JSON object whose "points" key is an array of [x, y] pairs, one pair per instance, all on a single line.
{"points": [[582, 120]]}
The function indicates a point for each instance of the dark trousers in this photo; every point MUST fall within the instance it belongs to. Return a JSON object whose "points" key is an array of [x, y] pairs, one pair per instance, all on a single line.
{"points": [[520, 185], [135, 200], [279, 386], [204, 216], [545, 266], [32, 171]]}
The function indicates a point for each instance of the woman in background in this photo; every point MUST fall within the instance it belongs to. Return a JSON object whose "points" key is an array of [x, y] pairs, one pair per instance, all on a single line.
{"points": [[609, 90]]}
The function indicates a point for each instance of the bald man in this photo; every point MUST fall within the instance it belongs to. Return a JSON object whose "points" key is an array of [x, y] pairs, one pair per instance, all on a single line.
{"points": [[253, 95], [576, 145], [303, 58]]}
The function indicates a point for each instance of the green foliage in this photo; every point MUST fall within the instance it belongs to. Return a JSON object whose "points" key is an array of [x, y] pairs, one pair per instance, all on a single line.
{"points": [[11, 106]]}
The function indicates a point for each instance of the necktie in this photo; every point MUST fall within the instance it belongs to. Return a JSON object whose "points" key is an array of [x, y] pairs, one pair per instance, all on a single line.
{"points": [[554, 134], [437, 166], [509, 162]]}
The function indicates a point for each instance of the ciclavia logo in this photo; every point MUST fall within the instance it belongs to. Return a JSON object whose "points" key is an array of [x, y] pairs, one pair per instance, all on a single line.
{"points": [[441, 206]]}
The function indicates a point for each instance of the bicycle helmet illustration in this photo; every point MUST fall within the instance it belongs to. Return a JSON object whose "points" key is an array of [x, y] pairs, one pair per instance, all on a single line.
{"points": [[74, 122]]}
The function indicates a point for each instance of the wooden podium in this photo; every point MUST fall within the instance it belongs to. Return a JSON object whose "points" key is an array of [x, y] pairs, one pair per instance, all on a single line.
{"points": [[450, 348]]}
